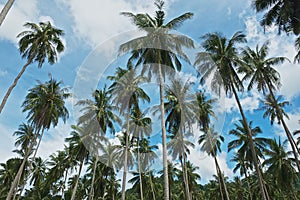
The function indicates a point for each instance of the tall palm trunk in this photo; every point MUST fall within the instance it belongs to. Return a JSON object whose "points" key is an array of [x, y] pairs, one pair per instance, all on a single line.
{"points": [[77, 180], [65, 181], [17, 178], [125, 159], [151, 185], [5, 98], [139, 169], [221, 180], [185, 178], [5, 10], [263, 190], [163, 131], [286, 129], [91, 195]]}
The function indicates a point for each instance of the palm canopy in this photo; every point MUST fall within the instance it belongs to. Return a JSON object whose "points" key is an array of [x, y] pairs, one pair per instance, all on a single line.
{"points": [[258, 68], [45, 104], [159, 45], [274, 108], [25, 135], [139, 125], [99, 113], [285, 14], [211, 142], [279, 164], [126, 90], [41, 41], [243, 141], [180, 106], [220, 57]]}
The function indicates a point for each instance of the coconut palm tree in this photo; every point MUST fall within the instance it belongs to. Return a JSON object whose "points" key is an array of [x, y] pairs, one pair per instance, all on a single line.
{"points": [[219, 60], [25, 136], [285, 14], [139, 126], [40, 42], [78, 141], [257, 68], [158, 52], [274, 109], [243, 166], [98, 116], [110, 158], [45, 104], [126, 93], [5, 10], [181, 112], [211, 144], [280, 165]]}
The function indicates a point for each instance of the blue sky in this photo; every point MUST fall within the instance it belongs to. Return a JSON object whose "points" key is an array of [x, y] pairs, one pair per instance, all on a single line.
{"points": [[94, 27]]}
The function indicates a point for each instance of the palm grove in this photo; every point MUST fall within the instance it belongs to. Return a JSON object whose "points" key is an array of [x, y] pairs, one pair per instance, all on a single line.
{"points": [[89, 164]]}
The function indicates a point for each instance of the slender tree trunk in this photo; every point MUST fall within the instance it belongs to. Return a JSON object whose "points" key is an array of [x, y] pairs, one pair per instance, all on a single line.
{"points": [[63, 189], [221, 179], [5, 98], [151, 185], [139, 166], [220, 185], [286, 129], [185, 179], [91, 195], [125, 159], [77, 180], [5, 10], [164, 134], [265, 195], [17, 178]]}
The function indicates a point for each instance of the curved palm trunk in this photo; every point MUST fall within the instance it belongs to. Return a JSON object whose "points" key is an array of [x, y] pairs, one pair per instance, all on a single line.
{"points": [[221, 180], [91, 195], [286, 129], [140, 173], [262, 187], [5, 10], [30, 168], [164, 134], [5, 98], [77, 180]]}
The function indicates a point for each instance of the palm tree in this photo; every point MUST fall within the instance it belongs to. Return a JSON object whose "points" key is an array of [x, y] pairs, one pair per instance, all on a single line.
{"points": [[45, 104], [297, 45], [220, 58], [41, 42], [98, 115], [5, 10], [163, 49], [25, 135], [242, 165], [281, 166], [126, 94], [77, 145], [38, 173], [274, 109], [110, 158], [211, 144], [139, 126], [258, 68], [181, 111], [285, 14], [205, 110]]}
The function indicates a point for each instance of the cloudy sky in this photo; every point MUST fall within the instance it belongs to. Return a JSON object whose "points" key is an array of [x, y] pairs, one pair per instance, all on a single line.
{"points": [[93, 31]]}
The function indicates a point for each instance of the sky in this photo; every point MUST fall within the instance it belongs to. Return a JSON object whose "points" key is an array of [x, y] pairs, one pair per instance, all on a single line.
{"points": [[93, 31]]}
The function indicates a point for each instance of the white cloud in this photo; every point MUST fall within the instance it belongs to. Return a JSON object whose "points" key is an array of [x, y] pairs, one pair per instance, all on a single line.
{"points": [[7, 143], [3, 73]]}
